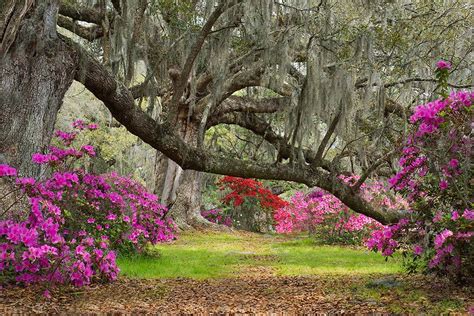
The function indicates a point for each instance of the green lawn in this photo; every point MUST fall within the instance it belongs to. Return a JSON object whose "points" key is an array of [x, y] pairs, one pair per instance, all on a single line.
{"points": [[346, 273], [218, 255], [303, 257]]}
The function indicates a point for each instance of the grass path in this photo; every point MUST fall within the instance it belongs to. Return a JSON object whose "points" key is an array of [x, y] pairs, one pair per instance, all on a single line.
{"points": [[243, 273], [219, 255]]}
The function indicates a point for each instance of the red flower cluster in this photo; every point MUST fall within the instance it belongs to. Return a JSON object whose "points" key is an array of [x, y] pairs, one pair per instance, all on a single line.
{"points": [[241, 188]]}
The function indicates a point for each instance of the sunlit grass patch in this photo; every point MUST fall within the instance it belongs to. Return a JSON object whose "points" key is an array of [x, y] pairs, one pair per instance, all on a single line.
{"points": [[219, 255], [304, 257], [172, 263]]}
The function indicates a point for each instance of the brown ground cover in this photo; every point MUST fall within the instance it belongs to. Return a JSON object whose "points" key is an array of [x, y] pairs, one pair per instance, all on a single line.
{"points": [[255, 294]]}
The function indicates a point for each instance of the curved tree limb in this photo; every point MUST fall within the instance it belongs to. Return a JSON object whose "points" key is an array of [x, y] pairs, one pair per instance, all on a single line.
{"points": [[119, 100], [260, 127], [81, 13], [88, 33], [244, 104], [363, 82], [327, 136]]}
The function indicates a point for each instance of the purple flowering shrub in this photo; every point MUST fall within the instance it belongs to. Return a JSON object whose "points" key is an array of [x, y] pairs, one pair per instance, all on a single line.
{"points": [[217, 216], [436, 175], [75, 221]]}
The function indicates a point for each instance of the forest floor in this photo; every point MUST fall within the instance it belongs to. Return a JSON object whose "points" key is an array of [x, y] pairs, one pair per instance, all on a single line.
{"points": [[244, 273]]}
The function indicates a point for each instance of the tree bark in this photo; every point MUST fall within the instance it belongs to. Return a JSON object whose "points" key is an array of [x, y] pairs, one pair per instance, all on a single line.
{"points": [[168, 176], [181, 189], [35, 72]]}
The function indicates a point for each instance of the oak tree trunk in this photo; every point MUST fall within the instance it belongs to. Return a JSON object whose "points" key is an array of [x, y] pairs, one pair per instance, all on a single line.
{"points": [[35, 72], [167, 178], [182, 189]]}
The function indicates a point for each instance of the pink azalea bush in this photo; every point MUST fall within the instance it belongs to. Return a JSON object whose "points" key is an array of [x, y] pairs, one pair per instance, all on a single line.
{"points": [[443, 64], [217, 216], [72, 223], [324, 215], [436, 175]]}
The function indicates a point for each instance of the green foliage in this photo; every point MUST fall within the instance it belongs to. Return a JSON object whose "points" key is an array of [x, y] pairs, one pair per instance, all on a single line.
{"points": [[176, 13]]}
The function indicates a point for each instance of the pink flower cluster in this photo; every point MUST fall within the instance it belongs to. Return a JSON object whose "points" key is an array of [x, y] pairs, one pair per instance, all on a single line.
{"points": [[76, 221], [80, 125], [436, 170], [321, 212], [217, 216], [435, 119], [7, 171], [44, 248], [384, 240], [443, 64]]}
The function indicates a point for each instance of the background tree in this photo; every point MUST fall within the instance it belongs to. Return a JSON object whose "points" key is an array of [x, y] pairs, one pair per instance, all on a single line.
{"points": [[326, 83]]}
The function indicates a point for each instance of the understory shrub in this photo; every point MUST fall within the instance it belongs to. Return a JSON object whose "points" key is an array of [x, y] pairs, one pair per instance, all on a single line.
{"points": [[68, 226], [249, 203], [436, 175], [217, 216]]}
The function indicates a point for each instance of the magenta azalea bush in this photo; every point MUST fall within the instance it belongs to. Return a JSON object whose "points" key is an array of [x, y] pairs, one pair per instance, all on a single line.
{"points": [[436, 175], [217, 216], [69, 226], [324, 215]]}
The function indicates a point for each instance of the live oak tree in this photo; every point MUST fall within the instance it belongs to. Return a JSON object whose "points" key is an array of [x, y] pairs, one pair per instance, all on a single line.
{"points": [[328, 84]]}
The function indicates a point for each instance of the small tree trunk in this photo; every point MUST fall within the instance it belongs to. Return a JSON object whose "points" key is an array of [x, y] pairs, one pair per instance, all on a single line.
{"points": [[36, 70]]}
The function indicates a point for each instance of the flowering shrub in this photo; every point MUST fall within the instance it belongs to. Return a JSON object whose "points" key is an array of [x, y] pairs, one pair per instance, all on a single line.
{"points": [[324, 215], [76, 221], [241, 188], [217, 216], [249, 203], [436, 175]]}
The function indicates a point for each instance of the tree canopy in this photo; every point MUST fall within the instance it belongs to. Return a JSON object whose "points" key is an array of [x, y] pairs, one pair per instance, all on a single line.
{"points": [[326, 83]]}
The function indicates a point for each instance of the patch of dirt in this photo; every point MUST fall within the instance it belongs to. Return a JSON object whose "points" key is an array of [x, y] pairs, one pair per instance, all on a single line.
{"points": [[256, 293]]}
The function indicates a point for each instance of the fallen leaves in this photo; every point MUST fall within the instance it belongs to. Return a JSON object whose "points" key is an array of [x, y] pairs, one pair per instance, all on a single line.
{"points": [[252, 294]]}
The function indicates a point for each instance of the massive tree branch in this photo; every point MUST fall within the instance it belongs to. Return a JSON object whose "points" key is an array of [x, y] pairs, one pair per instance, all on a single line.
{"points": [[119, 100], [363, 82], [80, 13], [245, 104], [88, 33]]}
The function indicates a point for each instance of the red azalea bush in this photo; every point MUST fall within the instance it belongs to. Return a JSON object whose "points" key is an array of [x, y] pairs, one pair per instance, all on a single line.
{"points": [[437, 176], [241, 189], [325, 216], [249, 203], [76, 221]]}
